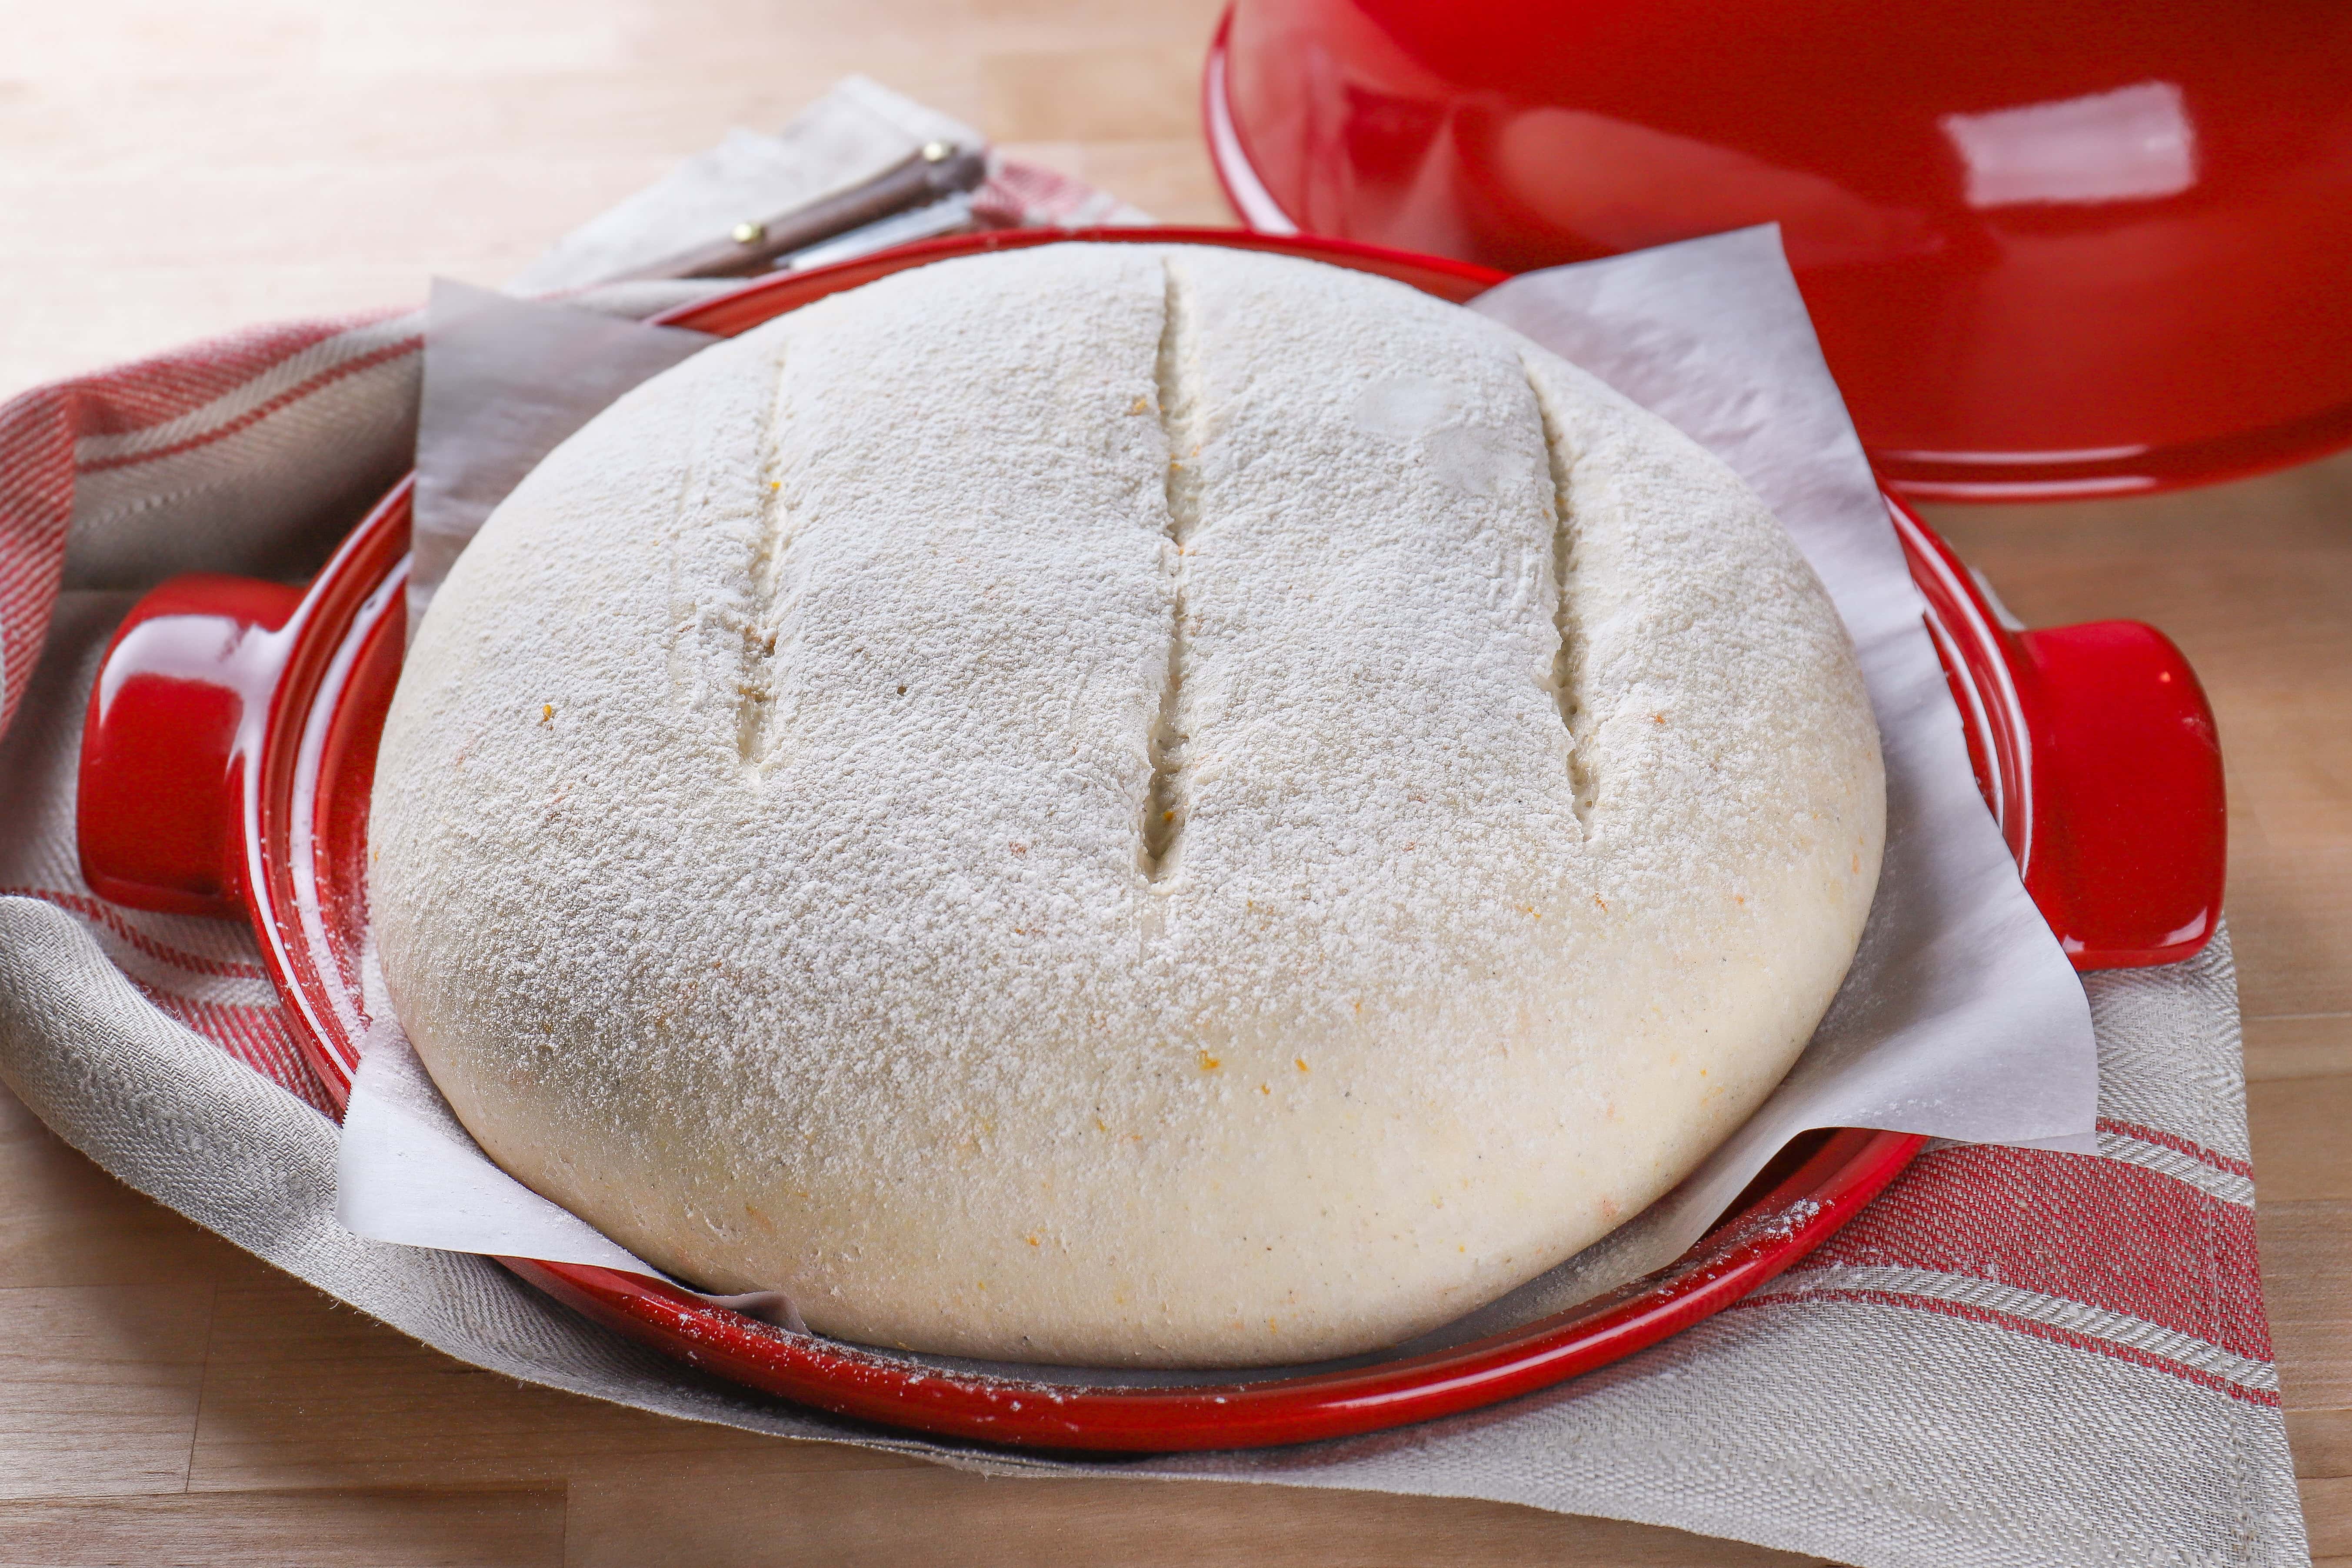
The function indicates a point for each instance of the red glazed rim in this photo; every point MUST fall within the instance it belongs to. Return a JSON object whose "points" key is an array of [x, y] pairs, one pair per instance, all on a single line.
{"points": [[299, 778]]}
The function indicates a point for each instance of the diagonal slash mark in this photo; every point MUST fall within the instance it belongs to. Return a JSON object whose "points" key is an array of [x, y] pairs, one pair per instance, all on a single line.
{"points": [[1566, 677], [755, 684]]}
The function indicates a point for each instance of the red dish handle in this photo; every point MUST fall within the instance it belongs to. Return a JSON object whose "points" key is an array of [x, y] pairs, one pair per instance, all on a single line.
{"points": [[2096, 748], [175, 719], [2132, 829]]}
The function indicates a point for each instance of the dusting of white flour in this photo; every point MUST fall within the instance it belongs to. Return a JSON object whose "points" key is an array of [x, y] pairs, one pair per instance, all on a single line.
{"points": [[1121, 805]]}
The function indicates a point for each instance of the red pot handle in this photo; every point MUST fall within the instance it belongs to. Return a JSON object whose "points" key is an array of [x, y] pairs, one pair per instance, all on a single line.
{"points": [[175, 719], [2096, 748], [2130, 841]]}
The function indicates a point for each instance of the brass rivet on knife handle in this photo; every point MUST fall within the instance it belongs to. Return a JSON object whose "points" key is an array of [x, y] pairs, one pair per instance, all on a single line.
{"points": [[934, 170]]}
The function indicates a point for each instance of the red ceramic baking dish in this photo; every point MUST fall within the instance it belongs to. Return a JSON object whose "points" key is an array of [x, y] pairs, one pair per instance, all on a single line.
{"points": [[2053, 248], [230, 749]]}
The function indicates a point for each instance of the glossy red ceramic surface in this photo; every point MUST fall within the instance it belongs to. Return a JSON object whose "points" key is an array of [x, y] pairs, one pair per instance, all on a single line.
{"points": [[2096, 748], [256, 711], [2059, 249], [175, 723]]}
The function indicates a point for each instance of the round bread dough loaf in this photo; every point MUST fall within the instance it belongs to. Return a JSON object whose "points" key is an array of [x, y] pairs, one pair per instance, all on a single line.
{"points": [[1121, 804]]}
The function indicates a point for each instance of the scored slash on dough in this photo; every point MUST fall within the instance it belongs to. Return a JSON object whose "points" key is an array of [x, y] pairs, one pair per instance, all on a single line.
{"points": [[1165, 803], [1567, 662], [755, 689]]}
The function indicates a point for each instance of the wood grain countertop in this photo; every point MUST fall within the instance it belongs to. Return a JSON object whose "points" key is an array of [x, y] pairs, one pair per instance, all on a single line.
{"points": [[169, 171]]}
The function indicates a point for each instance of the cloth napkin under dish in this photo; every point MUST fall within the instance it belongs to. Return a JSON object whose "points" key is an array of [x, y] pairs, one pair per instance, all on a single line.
{"points": [[2016, 1356]]}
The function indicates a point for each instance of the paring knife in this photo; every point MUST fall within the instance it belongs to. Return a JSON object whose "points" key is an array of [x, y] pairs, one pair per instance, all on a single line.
{"points": [[935, 170]]}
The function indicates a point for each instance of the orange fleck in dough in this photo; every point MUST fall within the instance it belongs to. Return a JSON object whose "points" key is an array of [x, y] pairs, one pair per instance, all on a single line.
{"points": [[547, 713], [1210, 1063]]}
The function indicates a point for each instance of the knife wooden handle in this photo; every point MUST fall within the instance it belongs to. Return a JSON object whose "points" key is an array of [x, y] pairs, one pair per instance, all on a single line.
{"points": [[935, 170]]}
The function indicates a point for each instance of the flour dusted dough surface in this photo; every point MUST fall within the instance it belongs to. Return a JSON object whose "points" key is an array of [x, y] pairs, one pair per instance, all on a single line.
{"points": [[1040, 807]]}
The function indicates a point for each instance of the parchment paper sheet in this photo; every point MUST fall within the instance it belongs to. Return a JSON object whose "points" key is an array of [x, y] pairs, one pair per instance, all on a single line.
{"points": [[1960, 1018]]}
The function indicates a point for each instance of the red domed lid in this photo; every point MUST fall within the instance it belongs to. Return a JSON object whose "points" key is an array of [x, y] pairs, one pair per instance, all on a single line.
{"points": [[2066, 247]]}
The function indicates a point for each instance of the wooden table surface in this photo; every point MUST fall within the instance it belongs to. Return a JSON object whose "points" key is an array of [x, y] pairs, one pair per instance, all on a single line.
{"points": [[169, 169]]}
